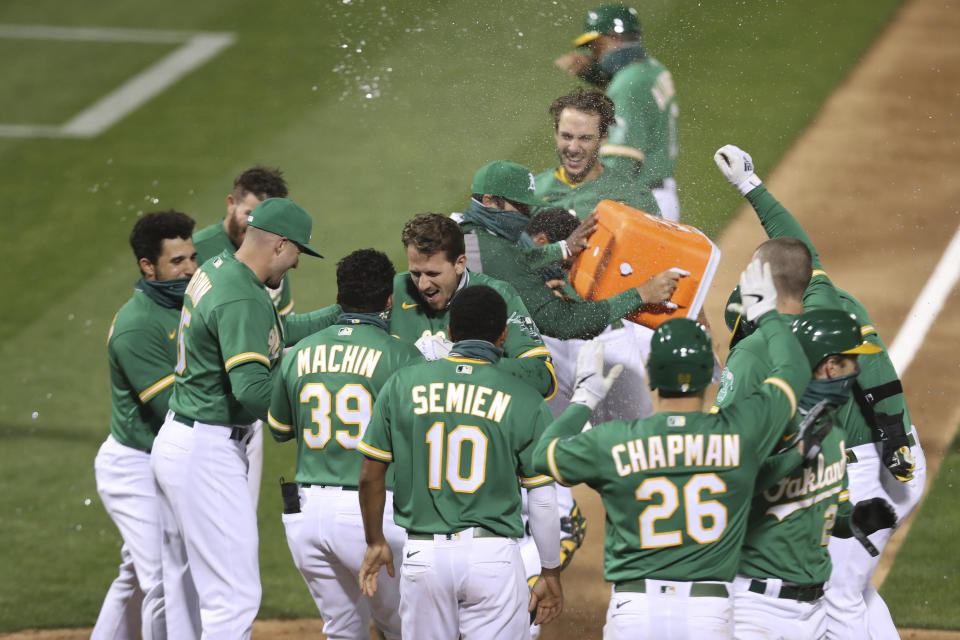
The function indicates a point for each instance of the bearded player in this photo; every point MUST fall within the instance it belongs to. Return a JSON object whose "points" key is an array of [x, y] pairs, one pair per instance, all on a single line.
{"points": [[322, 399], [677, 486], [459, 433], [142, 351]]}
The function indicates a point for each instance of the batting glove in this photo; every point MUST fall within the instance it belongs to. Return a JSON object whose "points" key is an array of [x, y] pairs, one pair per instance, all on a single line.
{"points": [[736, 165], [591, 385], [872, 515], [895, 447], [433, 347], [758, 294]]}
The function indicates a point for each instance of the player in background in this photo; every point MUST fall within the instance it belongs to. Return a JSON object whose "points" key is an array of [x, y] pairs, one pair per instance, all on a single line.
{"points": [[803, 500], [644, 137], [250, 188], [459, 432], [229, 341], [883, 451], [142, 350], [437, 274], [582, 121], [677, 486], [322, 399]]}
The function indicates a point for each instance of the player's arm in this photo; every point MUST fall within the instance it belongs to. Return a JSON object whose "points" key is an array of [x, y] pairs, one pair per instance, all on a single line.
{"points": [[144, 361], [244, 332], [526, 356], [377, 449], [298, 326], [775, 467], [535, 258], [280, 416]]}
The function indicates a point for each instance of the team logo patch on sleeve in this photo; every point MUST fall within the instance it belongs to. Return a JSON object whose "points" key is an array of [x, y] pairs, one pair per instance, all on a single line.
{"points": [[526, 323], [726, 385]]}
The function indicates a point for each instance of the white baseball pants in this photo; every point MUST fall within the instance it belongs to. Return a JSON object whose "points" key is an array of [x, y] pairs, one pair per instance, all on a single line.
{"points": [[327, 543], [126, 487], [667, 200], [465, 585], [119, 617], [854, 608], [209, 528], [760, 616], [669, 610]]}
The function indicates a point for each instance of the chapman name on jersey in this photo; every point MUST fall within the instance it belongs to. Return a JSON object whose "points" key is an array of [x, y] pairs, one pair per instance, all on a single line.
{"points": [[689, 450]]}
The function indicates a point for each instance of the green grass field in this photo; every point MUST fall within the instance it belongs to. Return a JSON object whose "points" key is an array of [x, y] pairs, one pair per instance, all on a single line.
{"points": [[376, 112]]}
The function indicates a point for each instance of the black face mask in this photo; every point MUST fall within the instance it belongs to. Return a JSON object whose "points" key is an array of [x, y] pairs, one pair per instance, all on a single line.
{"points": [[836, 391], [166, 293]]}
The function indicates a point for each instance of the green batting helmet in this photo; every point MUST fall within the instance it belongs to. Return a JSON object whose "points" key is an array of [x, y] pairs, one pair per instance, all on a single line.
{"points": [[827, 332], [610, 18], [681, 357], [736, 323]]}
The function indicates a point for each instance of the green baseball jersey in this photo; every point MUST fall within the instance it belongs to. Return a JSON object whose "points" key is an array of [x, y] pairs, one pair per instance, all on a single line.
{"points": [[646, 109], [213, 240], [459, 432], [142, 351], [526, 356], [228, 321], [677, 487], [791, 520], [615, 183], [557, 317], [324, 392]]}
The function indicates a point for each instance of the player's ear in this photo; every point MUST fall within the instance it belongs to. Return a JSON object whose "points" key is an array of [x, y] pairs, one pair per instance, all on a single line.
{"points": [[389, 302], [460, 264], [503, 337], [231, 203], [147, 269]]}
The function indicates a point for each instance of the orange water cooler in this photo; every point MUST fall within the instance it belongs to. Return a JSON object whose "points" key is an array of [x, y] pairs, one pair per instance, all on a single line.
{"points": [[630, 246]]}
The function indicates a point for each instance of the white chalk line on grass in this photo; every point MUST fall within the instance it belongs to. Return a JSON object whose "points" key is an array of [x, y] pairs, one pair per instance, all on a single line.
{"points": [[927, 306], [197, 48]]}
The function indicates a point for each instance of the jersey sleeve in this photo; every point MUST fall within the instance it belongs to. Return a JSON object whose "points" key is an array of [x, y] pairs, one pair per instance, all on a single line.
{"points": [[634, 105], [741, 374], [530, 477], [377, 443], [561, 453], [244, 332], [298, 326], [142, 357], [527, 357], [280, 416]]}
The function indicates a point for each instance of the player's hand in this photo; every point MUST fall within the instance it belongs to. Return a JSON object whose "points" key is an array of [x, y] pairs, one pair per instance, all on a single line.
{"points": [[578, 240], [873, 514], [757, 291], [591, 386], [659, 288], [378, 555], [898, 460], [573, 63], [736, 165], [557, 287], [546, 597], [433, 346]]}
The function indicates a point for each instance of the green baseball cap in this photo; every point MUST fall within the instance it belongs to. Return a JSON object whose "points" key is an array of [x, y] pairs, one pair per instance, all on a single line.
{"points": [[285, 218], [610, 18], [508, 180]]}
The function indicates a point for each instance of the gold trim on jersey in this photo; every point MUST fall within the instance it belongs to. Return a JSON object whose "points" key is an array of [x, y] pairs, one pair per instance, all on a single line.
{"points": [[819, 272], [561, 175], [287, 310], [622, 150], [554, 385], [363, 447], [536, 351], [276, 424], [781, 511], [468, 360], [156, 387], [536, 481], [552, 463], [844, 495], [245, 357], [787, 391]]}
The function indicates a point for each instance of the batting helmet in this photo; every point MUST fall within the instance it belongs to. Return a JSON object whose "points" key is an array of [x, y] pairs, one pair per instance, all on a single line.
{"points": [[681, 357], [610, 18], [738, 325], [826, 332]]}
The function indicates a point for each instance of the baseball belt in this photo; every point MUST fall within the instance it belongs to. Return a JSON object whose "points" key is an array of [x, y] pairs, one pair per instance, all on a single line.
{"points": [[236, 433], [478, 532], [799, 593], [329, 486], [697, 589]]}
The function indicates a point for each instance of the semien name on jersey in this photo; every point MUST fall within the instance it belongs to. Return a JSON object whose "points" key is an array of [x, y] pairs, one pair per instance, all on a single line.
{"points": [[451, 397], [690, 450], [355, 359]]}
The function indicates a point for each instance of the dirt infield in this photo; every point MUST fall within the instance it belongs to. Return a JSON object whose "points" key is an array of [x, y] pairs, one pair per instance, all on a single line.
{"points": [[878, 170]]}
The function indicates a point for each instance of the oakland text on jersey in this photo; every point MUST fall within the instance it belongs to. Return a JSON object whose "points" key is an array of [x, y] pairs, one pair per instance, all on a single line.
{"points": [[807, 483], [460, 397], [354, 359], [690, 450]]}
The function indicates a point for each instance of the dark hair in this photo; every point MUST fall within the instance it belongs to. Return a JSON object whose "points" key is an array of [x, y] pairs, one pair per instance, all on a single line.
{"points": [[364, 281], [556, 222], [477, 313], [790, 264], [263, 182], [151, 230], [431, 233], [592, 102]]}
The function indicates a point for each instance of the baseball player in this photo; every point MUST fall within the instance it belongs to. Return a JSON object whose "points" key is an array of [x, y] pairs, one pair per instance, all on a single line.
{"points": [[322, 399], [142, 353], [644, 137], [804, 500], [459, 433], [884, 454], [250, 188], [677, 486], [230, 338], [582, 122]]}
